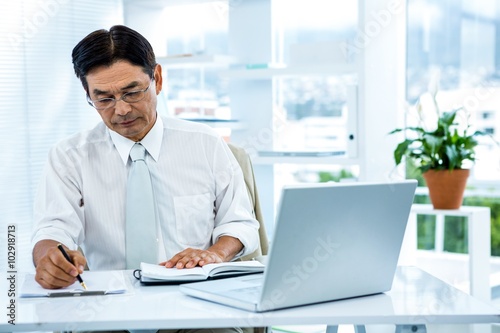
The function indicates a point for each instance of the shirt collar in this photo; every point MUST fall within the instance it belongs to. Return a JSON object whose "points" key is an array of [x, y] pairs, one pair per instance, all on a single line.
{"points": [[152, 141]]}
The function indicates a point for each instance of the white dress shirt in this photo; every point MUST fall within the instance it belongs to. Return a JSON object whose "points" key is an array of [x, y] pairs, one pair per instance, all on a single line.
{"points": [[198, 185]]}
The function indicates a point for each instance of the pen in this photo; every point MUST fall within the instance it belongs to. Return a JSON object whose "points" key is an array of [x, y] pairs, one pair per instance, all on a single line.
{"points": [[60, 247]]}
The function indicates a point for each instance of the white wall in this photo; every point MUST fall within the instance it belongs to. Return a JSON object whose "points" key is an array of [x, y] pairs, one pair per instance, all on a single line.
{"points": [[381, 47]]}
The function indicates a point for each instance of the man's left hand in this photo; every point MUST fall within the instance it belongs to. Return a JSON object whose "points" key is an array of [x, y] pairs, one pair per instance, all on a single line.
{"points": [[190, 258], [224, 250]]}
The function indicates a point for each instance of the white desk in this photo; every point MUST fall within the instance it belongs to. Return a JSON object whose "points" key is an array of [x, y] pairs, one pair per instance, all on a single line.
{"points": [[416, 298], [479, 241]]}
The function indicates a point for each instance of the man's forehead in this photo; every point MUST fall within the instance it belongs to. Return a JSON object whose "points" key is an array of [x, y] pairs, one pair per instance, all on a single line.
{"points": [[120, 75]]}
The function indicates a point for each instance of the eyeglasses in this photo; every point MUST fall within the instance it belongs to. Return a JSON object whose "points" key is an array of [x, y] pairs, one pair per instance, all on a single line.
{"points": [[128, 97]]}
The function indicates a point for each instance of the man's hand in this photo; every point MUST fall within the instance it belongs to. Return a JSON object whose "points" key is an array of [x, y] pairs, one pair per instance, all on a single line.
{"points": [[224, 250], [190, 258], [53, 271]]}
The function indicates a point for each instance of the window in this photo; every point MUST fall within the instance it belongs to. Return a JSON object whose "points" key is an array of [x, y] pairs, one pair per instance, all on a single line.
{"points": [[456, 44], [312, 109], [195, 36], [42, 101]]}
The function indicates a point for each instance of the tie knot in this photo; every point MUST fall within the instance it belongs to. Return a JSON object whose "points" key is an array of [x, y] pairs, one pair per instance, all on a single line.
{"points": [[138, 152]]}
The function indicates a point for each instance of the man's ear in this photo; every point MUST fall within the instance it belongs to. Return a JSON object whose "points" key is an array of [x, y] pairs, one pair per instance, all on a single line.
{"points": [[158, 78]]}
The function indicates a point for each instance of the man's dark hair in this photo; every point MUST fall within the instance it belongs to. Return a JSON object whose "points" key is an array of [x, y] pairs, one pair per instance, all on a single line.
{"points": [[104, 48]]}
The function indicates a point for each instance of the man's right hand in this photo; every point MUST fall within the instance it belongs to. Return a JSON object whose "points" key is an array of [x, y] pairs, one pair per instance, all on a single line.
{"points": [[53, 271]]}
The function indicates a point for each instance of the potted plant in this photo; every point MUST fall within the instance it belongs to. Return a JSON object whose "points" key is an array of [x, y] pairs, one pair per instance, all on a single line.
{"points": [[443, 152]]}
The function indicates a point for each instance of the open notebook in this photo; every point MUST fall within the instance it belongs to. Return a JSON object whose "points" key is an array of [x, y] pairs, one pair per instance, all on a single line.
{"points": [[151, 274], [98, 283]]}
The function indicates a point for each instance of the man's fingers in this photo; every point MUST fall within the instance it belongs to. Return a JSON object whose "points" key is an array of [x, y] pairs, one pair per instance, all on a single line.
{"points": [[190, 258], [193, 261], [188, 261], [63, 264], [172, 262], [78, 259], [210, 258], [51, 276], [52, 282], [54, 271], [180, 259]]}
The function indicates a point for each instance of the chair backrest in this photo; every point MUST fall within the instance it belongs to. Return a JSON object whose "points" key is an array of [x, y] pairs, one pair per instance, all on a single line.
{"points": [[246, 166]]}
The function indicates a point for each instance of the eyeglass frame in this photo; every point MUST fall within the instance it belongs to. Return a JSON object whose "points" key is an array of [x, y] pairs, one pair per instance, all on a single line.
{"points": [[91, 102]]}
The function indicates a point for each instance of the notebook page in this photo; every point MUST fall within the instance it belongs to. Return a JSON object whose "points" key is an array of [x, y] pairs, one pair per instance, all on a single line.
{"points": [[109, 282]]}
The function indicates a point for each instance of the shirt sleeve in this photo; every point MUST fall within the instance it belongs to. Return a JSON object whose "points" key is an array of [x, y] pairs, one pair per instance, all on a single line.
{"points": [[233, 208], [58, 206]]}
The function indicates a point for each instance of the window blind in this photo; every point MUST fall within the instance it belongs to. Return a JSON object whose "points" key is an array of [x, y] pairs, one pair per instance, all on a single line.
{"points": [[41, 100]]}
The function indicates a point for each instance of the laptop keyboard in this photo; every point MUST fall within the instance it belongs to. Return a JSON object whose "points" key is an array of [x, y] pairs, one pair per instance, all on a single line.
{"points": [[251, 291], [253, 281]]}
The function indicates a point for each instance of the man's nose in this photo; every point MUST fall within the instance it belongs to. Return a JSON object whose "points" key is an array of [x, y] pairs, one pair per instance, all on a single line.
{"points": [[122, 108]]}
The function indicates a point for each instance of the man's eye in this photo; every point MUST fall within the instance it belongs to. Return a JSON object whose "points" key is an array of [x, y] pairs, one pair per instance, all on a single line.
{"points": [[133, 94], [103, 101]]}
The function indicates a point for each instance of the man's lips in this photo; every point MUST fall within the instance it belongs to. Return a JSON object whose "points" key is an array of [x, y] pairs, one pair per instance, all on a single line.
{"points": [[126, 122]]}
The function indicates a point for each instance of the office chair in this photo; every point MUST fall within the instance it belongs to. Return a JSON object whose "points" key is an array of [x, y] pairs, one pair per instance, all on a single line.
{"points": [[246, 166]]}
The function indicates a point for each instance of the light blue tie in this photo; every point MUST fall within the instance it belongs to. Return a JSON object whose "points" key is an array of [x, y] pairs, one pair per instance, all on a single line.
{"points": [[141, 237]]}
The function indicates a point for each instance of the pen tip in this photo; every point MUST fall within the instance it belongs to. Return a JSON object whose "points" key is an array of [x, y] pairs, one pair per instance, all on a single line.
{"points": [[84, 285]]}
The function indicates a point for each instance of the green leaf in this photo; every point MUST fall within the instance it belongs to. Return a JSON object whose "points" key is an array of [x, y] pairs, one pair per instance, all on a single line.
{"points": [[454, 159], [401, 151], [447, 118], [432, 142]]}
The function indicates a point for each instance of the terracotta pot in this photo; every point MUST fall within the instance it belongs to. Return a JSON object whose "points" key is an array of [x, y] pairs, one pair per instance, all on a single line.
{"points": [[446, 188]]}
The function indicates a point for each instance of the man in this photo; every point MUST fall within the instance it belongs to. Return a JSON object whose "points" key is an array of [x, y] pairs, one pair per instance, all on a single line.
{"points": [[202, 207]]}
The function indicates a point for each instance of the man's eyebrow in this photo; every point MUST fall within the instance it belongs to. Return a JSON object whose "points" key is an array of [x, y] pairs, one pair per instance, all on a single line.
{"points": [[132, 84]]}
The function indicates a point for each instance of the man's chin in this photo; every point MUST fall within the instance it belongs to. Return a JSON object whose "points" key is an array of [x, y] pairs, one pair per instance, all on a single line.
{"points": [[135, 130], [129, 133]]}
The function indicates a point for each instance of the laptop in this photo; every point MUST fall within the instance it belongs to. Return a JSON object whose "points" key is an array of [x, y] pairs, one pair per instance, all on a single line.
{"points": [[331, 242]]}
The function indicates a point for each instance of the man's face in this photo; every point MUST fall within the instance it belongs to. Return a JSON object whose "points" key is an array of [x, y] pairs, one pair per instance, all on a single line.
{"points": [[131, 120]]}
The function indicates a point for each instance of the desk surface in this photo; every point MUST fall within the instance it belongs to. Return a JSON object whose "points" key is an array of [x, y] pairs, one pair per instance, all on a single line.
{"points": [[416, 298]]}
